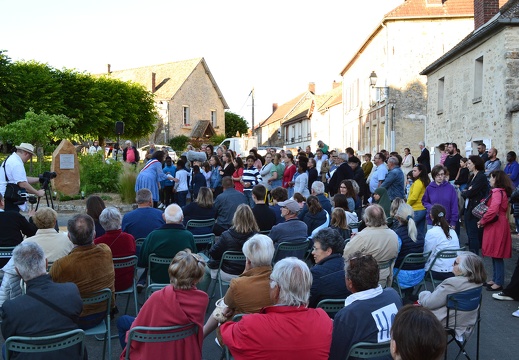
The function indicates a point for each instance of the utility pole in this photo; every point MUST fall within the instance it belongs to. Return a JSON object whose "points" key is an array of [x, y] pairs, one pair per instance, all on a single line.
{"points": [[252, 93]]}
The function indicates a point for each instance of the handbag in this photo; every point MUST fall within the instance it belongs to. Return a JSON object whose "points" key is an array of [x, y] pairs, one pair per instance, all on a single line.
{"points": [[480, 210], [13, 192]]}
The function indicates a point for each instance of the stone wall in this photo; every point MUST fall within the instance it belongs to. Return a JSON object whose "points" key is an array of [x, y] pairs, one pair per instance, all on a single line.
{"points": [[465, 119]]}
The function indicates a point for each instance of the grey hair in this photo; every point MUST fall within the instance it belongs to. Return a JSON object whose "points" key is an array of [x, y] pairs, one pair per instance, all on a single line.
{"points": [[374, 216], [173, 214], [471, 266], [143, 196], [294, 280], [343, 156], [421, 143], [110, 219], [81, 229], [259, 249], [318, 187], [29, 259], [393, 160], [405, 215]]}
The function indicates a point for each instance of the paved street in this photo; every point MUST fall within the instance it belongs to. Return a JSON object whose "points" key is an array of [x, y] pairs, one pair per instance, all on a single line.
{"points": [[498, 326]]}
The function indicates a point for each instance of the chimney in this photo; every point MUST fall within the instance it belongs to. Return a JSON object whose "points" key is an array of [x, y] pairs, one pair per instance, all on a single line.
{"points": [[335, 84], [153, 83], [311, 87], [109, 69], [484, 10], [274, 107]]}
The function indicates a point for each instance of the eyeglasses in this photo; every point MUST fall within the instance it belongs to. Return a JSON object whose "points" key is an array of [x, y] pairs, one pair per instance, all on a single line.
{"points": [[440, 174], [315, 248]]}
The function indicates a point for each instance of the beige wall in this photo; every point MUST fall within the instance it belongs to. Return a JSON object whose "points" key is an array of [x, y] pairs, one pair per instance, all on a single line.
{"points": [[199, 94], [397, 54], [465, 121]]}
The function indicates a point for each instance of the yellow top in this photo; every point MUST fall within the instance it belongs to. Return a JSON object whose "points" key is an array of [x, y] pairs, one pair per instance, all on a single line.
{"points": [[415, 195]]}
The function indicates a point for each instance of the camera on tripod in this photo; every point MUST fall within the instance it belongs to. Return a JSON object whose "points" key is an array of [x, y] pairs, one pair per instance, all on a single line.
{"points": [[45, 179], [31, 198]]}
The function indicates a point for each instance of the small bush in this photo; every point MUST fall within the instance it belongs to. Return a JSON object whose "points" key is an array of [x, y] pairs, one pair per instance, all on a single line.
{"points": [[127, 180], [179, 143], [97, 175]]}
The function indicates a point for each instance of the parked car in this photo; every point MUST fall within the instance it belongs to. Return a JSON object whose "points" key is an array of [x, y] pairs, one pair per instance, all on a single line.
{"points": [[142, 151]]}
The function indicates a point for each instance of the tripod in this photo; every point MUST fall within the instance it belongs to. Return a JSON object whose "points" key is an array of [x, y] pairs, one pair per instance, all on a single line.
{"points": [[48, 195]]}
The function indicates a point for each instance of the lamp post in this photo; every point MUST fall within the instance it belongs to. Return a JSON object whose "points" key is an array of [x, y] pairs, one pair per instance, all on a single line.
{"points": [[372, 82]]}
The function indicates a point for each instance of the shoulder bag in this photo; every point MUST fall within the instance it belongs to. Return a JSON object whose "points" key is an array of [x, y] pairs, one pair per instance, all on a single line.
{"points": [[13, 191], [480, 210]]}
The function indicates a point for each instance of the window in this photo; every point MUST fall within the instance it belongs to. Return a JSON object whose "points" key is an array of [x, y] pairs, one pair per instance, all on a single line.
{"points": [[213, 118], [478, 80], [441, 89], [185, 115]]}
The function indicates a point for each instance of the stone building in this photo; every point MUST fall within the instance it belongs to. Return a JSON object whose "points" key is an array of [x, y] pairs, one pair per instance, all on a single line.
{"points": [[474, 88], [384, 96], [187, 98]]}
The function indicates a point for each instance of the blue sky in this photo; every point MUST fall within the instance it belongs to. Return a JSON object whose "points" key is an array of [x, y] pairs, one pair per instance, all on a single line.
{"points": [[277, 47]]}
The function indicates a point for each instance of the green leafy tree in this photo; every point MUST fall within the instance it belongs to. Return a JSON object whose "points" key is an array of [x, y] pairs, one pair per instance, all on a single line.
{"points": [[41, 130], [179, 143], [234, 123]]}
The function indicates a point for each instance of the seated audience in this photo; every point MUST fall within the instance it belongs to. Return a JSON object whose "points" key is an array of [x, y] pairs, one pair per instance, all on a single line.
{"points": [[14, 225], [47, 308], [440, 237], [292, 229], [340, 201], [317, 190], [288, 329], [376, 240], [279, 194], [96, 269], [180, 303], [469, 273], [392, 222], [243, 227], [226, 204], [264, 215], [201, 209], [328, 271], [166, 242], [357, 321], [315, 216], [133, 223], [249, 292], [94, 206], [410, 275], [122, 244], [381, 198], [338, 223], [417, 334]]}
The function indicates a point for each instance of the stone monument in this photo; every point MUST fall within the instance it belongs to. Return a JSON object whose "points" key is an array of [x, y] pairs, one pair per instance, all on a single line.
{"points": [[66, 166]]}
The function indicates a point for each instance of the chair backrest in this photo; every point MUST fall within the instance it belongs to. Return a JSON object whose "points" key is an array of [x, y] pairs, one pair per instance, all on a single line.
{"points": [[467, 300], [297, 249], [6, 252], [446, 254], [386, 264], [41, 344], [415, 259], [138, 245], [365, 350], [320, 227], [200, 223], [154, 259], [331, 306], [204, 239], [125, 262], [100, 297], [148, 334], [265, 232], [354, 226], [150, 289], [232, 256]]}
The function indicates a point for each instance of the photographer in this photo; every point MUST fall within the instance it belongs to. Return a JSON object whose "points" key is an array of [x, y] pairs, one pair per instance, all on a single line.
{"points": [[13, 172]]}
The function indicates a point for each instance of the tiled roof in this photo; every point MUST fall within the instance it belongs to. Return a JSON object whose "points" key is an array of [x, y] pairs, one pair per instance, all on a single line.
{"points": [[300, 111], [509, 17], [202, 128], [329, 99], [428, 8], [169, 77], [282, 111]]}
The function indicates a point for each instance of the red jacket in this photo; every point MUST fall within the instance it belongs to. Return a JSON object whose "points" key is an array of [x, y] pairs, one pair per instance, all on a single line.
{"points": [[169, 307], [288, 174], [280, 332], [497, 240]]}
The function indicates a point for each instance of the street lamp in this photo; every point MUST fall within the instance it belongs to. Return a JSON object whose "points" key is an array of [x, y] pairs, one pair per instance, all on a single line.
{"points": [[373, 79]]}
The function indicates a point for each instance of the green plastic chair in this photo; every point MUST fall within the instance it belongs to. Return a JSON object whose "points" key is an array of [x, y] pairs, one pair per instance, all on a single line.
{"points": [[128, 262], [154, 259], [103, 328], [152, 288], [331, 306], [365, 350], [42, 344], [150, 334], [442, 254], [419, 259], [227, 256], [301, 247]]}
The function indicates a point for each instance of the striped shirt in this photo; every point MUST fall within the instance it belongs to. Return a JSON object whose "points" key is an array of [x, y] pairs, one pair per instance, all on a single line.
{"points": [[252, 176]]}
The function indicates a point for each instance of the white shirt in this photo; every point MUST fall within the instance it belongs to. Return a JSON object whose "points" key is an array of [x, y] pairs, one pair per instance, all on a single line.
{"points": [[181, 175], [15, 173], [435, 241]]}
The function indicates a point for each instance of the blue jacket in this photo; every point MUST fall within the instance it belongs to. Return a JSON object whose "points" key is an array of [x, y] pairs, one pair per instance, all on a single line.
{"points": [[328, 280], [512, 170], [394, 183]]}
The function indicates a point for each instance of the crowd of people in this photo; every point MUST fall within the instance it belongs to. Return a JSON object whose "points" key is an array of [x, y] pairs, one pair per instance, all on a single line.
{"points": [[359, 219]]}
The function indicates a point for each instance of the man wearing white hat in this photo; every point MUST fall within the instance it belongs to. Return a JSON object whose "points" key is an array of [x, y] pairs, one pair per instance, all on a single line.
{"points": [[12, 171]]}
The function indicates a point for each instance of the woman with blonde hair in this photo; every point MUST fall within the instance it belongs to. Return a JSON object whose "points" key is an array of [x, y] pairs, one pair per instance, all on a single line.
{"points": [[338, 223], [180, 303], [409, 275], [243, 227]]}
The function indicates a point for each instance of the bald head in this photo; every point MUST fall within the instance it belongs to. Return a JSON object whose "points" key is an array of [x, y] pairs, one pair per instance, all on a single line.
{"points": [[173, 214]]}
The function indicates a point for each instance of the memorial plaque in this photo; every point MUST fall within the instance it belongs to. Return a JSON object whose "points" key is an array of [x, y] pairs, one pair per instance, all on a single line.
{"points": [[66, 161]]}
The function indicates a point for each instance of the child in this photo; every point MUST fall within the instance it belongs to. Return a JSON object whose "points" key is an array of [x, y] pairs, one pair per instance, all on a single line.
{"points": [[409, 183]]}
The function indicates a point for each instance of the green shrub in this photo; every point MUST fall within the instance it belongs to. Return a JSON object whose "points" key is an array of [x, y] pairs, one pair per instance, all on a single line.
{"points": [[97, 175], [179, 143], [217, 139], [127, 180]]}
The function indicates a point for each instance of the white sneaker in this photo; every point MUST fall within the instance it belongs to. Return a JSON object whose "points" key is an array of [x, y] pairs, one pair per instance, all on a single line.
{"points": [[161, 206], [516, 313], [501, 296]]}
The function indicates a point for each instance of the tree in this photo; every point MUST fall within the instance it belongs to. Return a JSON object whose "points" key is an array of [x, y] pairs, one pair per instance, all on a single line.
{"points": [[235, 123]]}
